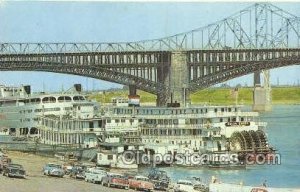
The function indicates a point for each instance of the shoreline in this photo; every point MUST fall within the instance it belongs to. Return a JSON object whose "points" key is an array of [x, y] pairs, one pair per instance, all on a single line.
{"points": [[215, 96]]}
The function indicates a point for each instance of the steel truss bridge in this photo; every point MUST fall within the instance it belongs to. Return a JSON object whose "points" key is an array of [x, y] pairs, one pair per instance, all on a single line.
{"points": [[260, 37]]}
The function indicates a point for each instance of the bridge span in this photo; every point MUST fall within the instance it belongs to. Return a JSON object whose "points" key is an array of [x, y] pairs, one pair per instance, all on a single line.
{"points": [[164, 73], [258, 38]]}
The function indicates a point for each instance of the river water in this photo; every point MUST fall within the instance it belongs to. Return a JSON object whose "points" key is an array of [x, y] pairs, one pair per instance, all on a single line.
{"points": [[283, 131]]}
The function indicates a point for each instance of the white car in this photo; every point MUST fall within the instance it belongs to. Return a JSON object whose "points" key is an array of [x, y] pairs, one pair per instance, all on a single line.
{"points": [[52, 169], [95, 175], [184, 186]]}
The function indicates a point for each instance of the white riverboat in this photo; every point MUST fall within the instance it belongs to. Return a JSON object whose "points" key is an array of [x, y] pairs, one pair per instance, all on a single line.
{"points": [[20, 109], [173, 130]]}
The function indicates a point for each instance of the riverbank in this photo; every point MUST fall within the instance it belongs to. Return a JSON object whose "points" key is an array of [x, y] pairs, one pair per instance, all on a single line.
{"points": [[215, 96]]}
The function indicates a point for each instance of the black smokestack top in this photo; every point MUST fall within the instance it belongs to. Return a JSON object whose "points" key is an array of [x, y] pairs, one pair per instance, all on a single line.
{"points": [[77, 87], [27, 89]]}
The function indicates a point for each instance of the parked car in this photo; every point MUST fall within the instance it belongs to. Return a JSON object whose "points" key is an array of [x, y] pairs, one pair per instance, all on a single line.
{"points": [[141, 183], [95, 175], [14, 170], [160, 179], [115, 180], [184, 186], [77, 172], [67, 168], [52, 169]]}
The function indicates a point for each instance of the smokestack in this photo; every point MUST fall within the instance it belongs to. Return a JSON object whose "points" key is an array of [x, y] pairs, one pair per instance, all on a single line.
{"points": [[77, 87], [27, 89]]}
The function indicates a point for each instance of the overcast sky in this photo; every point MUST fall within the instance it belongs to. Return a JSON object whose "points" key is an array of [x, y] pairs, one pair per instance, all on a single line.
{"points": [[110, 22]]}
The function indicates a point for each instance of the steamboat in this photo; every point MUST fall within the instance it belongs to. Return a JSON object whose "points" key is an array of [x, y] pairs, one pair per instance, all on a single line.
{"points": [[71, 119]]}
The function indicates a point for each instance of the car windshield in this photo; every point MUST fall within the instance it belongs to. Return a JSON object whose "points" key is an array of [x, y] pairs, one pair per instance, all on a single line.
{"points": [[15, 170], [54, 166], [15, 165], [118, 176], [184, 183], [142, 179]]}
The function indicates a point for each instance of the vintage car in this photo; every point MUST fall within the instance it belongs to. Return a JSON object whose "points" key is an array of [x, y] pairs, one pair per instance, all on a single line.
{"points": [[14, 170], [184, 186], [115, 180], [141, 183], [95, 175], [67, 168], [77, 172], [160, 179], [52, 169]]}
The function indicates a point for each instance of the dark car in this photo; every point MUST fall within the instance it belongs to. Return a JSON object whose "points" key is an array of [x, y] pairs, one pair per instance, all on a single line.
{"points": [[14, 170], [77, 172], [160, 179]]}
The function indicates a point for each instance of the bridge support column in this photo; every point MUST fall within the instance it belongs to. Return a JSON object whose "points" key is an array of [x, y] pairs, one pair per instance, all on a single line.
{"points": [[179, 78], [133, 98], [175, 77], [262, 94], [132, 90]]}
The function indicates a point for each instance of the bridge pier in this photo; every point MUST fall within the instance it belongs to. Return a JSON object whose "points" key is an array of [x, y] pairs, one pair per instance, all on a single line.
{"points": [[133, 98], [262, 94], [132, 90], [177, 81]]}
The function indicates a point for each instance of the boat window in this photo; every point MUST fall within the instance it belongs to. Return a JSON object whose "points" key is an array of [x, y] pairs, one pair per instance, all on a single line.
{"points": [[49, 100], [64, 99], [51, 109], [109, 157], [35, 100], [165, 121], [91, 124], [175, 121], [78, 98]]}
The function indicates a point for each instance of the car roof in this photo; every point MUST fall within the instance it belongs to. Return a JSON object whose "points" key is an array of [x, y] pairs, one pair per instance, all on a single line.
{"points": [[53, 164], [183, 181], [118, 174], [141, 176]]}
